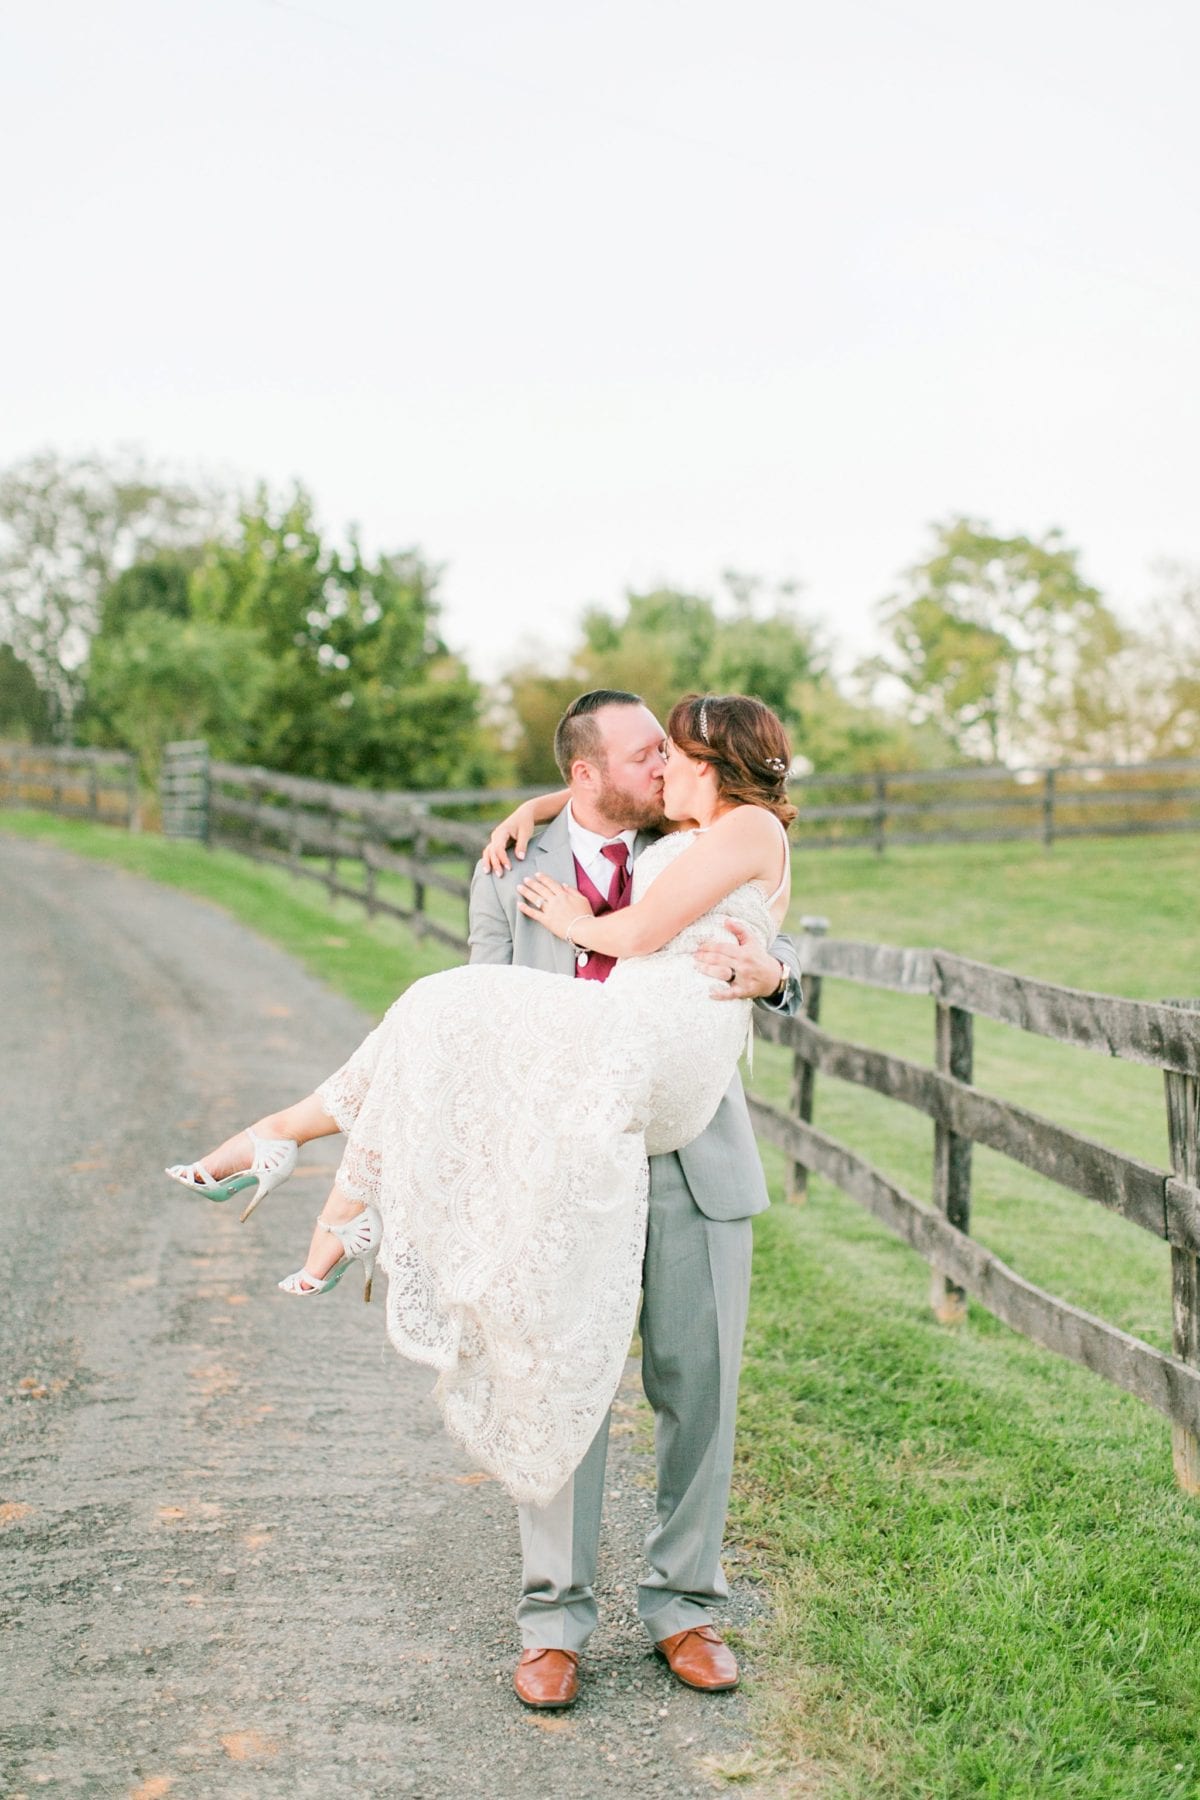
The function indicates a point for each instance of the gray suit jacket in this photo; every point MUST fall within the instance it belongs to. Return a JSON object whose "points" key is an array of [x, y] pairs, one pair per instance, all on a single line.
{"points": [[722, 1165]]}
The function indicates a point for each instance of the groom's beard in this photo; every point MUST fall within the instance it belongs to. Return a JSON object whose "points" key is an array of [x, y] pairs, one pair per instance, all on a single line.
{"points": [[630, 812]]}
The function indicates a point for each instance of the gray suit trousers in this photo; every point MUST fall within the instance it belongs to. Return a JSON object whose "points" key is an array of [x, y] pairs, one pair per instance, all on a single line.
{"points": [[695, 1295]]}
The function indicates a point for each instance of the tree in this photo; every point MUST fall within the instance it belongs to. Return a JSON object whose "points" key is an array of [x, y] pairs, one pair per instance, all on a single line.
{"points": [[1175, 654], [24, 706], [159, 583], [665, 643], [839, 733], [67, 528], [163, 678], [988, 639], [360, 686], [1141, 700]]}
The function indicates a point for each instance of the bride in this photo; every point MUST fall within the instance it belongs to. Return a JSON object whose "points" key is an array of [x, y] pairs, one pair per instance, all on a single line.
{"points": [[499, 1119]]}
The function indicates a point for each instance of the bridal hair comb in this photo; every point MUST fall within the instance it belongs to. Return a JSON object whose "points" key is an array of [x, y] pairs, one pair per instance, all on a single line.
{"points": [[777, 765], [704, 720]]}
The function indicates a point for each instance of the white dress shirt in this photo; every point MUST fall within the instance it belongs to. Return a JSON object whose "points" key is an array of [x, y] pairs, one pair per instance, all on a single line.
{"points": [[587, 847]]}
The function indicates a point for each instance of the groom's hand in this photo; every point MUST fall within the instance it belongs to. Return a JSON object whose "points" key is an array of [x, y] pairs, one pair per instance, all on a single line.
{"points": [[743, 970]]}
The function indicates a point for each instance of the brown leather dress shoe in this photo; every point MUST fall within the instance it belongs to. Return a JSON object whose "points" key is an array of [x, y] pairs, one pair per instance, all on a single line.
{"points": [[701, 1658], [547, 1677]]}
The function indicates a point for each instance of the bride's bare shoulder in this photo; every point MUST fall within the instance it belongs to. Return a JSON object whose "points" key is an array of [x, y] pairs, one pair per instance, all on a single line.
{"points": [[748, 825]]}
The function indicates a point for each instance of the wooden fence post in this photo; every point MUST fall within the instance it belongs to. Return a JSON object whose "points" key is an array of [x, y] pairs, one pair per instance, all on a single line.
{"points": [[93, 788], [295, 837], [880, 816], [1183, 1136], [134, 821], [954, 1036], [1048, 810], [420, 843], [331, 866], [803, 1073], [370, 873]]}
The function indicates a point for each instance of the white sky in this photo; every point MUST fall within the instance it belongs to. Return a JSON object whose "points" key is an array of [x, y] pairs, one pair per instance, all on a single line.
{"points": [[576, 296]]}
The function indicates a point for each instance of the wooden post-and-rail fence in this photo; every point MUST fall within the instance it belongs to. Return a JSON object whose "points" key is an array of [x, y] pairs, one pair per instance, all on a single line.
{"points": [[394, 855], [995, 804], [1165, 1202], [79, 784], [386, 851]]}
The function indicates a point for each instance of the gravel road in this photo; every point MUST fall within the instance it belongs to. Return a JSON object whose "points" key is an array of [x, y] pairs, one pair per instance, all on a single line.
{"points": [[238, 1556]]}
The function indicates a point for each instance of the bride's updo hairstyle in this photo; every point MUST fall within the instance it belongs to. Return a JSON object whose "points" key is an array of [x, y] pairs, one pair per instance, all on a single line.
{"points": [[743, 742]]}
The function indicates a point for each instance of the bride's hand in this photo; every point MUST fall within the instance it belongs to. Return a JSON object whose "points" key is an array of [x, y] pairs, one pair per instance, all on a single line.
{"points": [[516, 829], [551, 904]]}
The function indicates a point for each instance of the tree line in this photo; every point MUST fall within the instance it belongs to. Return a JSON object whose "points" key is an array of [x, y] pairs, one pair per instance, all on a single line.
{"points": [[137, 608]]}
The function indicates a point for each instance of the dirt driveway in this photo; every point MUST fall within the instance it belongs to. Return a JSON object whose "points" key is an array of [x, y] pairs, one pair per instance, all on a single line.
{"points": [[238, 1557]]}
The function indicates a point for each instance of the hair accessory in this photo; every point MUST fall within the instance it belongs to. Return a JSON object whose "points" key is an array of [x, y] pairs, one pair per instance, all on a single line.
{"points": [[777, 765], [704, 720]]}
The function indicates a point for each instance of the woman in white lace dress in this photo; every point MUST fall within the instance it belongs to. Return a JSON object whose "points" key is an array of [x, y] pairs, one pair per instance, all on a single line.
{"points": [[499, 1119]]}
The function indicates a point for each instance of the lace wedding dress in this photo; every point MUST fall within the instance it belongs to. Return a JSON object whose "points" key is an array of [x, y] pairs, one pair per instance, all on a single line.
{"points": [[500, 1119]]}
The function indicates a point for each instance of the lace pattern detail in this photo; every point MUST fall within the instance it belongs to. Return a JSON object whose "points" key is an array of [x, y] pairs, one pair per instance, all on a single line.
{"points": [[500, 1119]]}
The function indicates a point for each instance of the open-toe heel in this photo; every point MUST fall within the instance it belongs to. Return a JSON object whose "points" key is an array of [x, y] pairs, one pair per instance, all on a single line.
{"points": [[360, 1238], [273, 1160]]}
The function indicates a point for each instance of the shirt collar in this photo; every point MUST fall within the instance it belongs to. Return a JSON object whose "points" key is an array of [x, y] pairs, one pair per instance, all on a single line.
{"points": [[586, 845]]}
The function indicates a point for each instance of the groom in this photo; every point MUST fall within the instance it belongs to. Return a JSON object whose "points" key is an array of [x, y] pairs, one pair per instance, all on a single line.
{"points": [[696, 1275]]}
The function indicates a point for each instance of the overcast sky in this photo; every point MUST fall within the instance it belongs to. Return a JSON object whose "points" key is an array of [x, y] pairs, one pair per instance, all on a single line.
{"points": [[577, 296]]}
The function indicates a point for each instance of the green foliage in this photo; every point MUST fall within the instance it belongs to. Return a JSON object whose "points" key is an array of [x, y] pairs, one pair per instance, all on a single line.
{"points": [[846, 735], [748, 640], [666, 643], [358, 685], [1176, 663], [68, 526], [157, 584], [161, 679], [993, 641], [25, 710], [537, 702]]}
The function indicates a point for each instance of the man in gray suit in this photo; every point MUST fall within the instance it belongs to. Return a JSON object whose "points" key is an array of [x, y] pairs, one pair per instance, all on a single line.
{"points": [[696, 1276]]}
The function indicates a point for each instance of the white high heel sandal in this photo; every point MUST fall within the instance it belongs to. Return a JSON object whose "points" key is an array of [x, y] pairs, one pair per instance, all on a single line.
{"points": [[360, 1238], [272, 1162]]}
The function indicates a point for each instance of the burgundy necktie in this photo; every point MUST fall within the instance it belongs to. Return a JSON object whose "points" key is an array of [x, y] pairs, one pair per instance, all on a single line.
{"points": [[618, 856]]}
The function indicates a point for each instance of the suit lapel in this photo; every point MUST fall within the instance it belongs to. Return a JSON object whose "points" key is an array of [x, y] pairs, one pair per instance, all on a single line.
{"points": [[551, 855]]}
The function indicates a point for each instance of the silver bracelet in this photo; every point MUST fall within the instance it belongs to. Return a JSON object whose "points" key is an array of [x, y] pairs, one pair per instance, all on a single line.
{"points": [[570, 928]]}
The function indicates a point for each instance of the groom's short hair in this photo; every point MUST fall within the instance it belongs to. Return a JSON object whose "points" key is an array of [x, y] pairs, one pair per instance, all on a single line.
{"points": [[577, 733]]}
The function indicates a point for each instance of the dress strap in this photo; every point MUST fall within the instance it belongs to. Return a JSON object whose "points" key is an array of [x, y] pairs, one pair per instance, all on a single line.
{"points": [[787, 863]]}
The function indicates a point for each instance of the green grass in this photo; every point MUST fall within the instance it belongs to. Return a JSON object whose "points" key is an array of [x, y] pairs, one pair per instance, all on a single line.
{"points": [[985, 1580]]}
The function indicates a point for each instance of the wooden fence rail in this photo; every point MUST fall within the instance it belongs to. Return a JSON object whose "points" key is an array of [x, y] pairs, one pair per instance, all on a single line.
{"points": [[1165, 1202], [873, 810], [348, 839], [996, 805], [80, 784]]}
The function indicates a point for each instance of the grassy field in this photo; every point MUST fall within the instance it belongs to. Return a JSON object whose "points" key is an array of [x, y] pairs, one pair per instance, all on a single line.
{"points": [[985, 1581]]}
